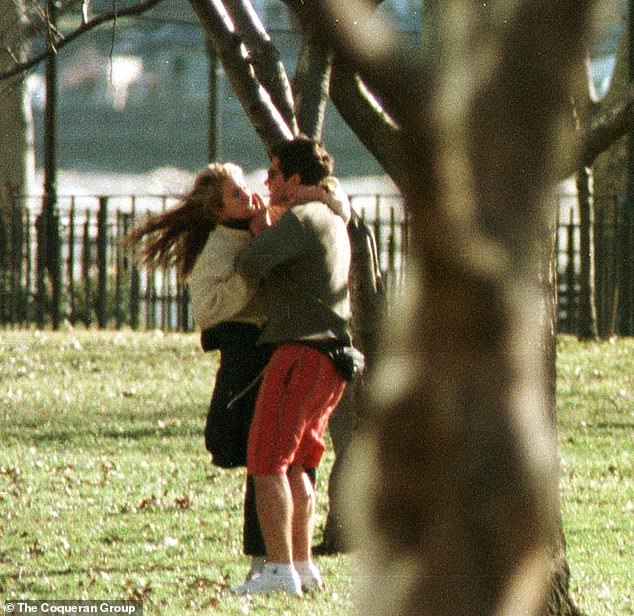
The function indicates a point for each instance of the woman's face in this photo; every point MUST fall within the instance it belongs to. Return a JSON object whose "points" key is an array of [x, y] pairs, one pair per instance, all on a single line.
{"points": [[236, 200]]}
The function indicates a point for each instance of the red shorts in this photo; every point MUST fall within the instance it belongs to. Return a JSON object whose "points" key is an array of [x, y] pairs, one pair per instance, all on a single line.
{"points": [[300, 389]]}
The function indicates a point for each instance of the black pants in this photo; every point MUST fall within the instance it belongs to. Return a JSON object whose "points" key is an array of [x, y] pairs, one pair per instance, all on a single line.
{"points": [[235, 390], [229, 417]]}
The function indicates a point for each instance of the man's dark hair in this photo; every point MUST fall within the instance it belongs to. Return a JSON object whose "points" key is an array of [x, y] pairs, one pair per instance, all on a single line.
{"points": [[306, 157]]}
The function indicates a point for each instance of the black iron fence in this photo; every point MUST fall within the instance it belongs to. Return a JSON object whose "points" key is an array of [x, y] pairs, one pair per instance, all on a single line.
{"points": [[72, 266], [609, 286]]}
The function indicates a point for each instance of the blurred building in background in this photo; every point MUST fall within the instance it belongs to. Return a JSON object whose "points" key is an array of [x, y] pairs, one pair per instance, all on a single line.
{"points": [[134, 97]]}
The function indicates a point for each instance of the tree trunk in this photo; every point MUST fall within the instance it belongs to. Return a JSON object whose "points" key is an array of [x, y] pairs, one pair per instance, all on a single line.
{"points": [[16, 129], [626, 245], [559, 602], [458, 459], [367, 297], [17, 164]]}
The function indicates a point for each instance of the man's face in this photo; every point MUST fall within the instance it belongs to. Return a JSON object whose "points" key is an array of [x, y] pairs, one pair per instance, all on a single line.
{"points": [[278, 186]]}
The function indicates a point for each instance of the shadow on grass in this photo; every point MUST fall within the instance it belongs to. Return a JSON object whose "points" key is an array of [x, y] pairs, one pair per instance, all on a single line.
{"points": [[67, 436], [615, 425]]}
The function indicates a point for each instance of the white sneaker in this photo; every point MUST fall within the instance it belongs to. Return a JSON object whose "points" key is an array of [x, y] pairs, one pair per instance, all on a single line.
{"points": [[274, 578], [257, 565], [309, 576]]}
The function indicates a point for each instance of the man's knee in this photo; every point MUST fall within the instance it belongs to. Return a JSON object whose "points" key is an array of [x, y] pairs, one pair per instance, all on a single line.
{"points": [[301, 487]]}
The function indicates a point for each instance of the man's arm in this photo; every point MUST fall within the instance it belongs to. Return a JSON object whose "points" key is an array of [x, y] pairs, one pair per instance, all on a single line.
{"points": [[273, 245]]}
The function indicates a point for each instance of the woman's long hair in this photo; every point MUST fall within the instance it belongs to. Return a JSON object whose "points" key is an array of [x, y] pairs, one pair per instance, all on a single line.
{"points": [[177, 236]]}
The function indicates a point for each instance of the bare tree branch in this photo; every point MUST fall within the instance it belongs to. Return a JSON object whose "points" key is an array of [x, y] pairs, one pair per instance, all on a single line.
{"points": [[256, 101], [374, 128], [57, 42], [311, 85], [264, 57], [371, 46]]}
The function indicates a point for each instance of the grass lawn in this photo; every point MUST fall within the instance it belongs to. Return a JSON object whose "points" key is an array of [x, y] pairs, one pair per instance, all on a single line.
{"points": [[106, 491]]}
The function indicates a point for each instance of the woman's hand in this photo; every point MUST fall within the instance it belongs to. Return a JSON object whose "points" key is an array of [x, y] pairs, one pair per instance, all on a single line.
{"points": [[260, 222], [264, 215], [304, 194], [257, 203]]}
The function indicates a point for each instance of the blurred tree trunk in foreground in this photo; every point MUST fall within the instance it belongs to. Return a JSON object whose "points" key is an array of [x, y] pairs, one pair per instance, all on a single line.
{"points": [[460, 460]]}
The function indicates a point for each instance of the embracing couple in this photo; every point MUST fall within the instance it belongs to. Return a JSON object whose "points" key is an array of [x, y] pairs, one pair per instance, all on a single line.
{"points": [[269, 288]]}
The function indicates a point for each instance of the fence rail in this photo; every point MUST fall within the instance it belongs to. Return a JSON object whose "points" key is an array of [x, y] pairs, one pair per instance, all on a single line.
{"points": [[81, 273]]}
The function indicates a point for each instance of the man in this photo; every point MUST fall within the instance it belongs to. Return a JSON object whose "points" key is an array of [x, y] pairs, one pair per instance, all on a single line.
{"points": [[303, 262]]}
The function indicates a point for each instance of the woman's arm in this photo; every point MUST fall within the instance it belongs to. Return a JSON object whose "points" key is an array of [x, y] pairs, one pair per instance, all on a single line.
{"points": [[219, 299], [218, 292]]}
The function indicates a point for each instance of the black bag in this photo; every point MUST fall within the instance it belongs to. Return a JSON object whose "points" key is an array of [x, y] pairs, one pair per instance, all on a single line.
{"points": [[349, 361]]}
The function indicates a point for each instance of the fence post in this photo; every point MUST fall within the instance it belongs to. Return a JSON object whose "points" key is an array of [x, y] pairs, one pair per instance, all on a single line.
{"points": [[571, 277], [70, 263], [626, 293], [55, 266], [184, 300], [391, 248], [135, 279], [118, 295], [613, 300], [40, 271], [600, 272], [28, 274], [150, 298], [85, 270], [102, 263], [17, 244]]}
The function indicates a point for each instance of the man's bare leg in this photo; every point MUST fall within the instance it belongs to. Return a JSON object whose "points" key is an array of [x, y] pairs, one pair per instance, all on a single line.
{"points": [[303, 495], [274, 502], [303, 527]]}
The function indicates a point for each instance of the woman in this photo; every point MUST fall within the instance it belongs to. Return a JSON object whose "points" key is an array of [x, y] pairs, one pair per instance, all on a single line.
{"points": [[201, 236]]}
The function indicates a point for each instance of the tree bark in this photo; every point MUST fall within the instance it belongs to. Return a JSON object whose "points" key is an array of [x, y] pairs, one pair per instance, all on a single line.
{"points": [[461, 467], [367, 296], [16, 130], [256, 101], [264, 58], [559, 602], [17, 162], [311, 87]]}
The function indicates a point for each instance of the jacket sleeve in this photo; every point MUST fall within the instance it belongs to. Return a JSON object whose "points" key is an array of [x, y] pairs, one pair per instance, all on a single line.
{"points": [[219, 298], [282, 242], [218, 292]]}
